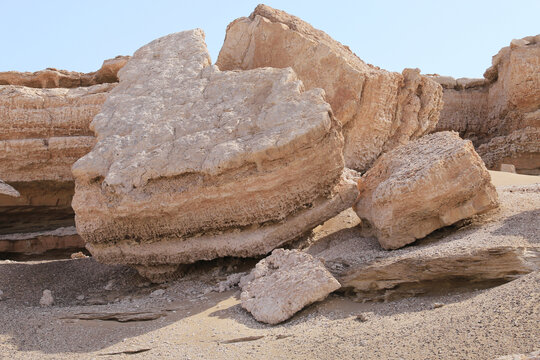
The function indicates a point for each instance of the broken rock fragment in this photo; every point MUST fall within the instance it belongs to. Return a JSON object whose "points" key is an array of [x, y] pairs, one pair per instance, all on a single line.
{"points": [[195, 163], [283, 284], [379, 109], [417, 188], [8, 190]]}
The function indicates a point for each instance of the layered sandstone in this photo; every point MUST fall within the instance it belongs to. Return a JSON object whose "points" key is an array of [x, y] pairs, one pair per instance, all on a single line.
{"points": [[42, 133], [379, 110], [491, 249], [501, 113], [427, 184], [194, 163], [283, 284], [53, 78]]}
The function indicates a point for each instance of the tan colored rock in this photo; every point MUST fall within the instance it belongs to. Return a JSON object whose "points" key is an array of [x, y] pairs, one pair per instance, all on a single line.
{"points": [[41, 241], [194, 163], [5, 189], [379, 110], [52, 78], [503, 112], [508, 168], [283, 284], [417, 188], [491, 249]]}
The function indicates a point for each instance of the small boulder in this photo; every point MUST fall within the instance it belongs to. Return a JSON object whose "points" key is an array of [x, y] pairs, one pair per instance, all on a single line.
{"points": [[8, 190], [417, 188], [283, 284], [47, 298]]}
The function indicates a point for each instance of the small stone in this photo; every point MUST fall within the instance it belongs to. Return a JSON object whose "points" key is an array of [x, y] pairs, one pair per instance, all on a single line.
{"points": [[47, 298], [78, 255], [510, 168], [80, 297], [437, 305], [362, 317], [109, 285], [157, 293], [1, 294]]}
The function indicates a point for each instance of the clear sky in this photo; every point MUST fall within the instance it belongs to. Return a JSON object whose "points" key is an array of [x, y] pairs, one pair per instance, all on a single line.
{"points": [[452, 37]]}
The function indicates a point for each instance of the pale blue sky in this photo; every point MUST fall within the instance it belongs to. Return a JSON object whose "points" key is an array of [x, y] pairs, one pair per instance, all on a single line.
{"points": [[453, 37]]}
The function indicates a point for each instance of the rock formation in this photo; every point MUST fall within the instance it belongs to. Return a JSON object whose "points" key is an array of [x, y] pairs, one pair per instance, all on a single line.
{"points": [[501, 113], [492, 249], [417, 188], [194, 163], [52, 78], [42, 133], [379, 110], [283, 284]]}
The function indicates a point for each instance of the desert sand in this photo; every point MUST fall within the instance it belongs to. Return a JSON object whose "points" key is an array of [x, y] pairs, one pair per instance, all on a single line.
{"points": [[190, 319]]}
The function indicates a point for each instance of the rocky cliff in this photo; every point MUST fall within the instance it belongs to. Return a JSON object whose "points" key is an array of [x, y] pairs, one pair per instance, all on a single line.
{"points": [[500, 113]]}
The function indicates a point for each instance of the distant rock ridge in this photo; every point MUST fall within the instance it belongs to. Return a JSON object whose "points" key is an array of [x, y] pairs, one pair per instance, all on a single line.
{"points": [[500, 113], [53, 78]]}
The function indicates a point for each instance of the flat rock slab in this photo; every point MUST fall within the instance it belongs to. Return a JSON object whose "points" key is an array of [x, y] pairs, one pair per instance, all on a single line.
{"points": [[427, 184], [195, 163], [283, 284], [496, 247], [379, 109]]}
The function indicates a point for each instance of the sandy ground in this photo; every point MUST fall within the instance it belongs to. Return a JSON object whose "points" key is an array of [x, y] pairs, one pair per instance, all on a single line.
{"points": [[191, 320], [499, 178]]}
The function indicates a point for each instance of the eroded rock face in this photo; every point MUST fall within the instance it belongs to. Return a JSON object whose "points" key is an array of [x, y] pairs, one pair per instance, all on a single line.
{"points": [[42, 133], [194, 163], [417, 188], [492, 249], [52, 78], [379, 110], [283, 284], [5, 189], [500, 113]]}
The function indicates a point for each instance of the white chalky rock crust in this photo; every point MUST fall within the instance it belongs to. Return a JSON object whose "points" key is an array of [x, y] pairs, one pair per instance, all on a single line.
{"points": [[283, 284], [193, 163]]}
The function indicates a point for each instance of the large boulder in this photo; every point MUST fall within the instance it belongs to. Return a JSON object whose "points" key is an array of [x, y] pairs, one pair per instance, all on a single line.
{"points": [[417, 188], [283, 284], [194, 163], [488, 250], [499, 113], [379, 109]]}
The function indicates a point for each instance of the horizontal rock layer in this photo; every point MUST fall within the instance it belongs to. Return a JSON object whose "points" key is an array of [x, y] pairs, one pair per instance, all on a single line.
{"points": [[502, 111], [52, 78], [379, 110]]}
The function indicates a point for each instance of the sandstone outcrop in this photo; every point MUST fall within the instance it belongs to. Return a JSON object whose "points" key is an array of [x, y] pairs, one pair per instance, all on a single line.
{"points": [[501, 113], [427, 184], [42, 133], [194, 163], [5, 189], [491, 249], [379, 110], [283, 284], [53, 78]]}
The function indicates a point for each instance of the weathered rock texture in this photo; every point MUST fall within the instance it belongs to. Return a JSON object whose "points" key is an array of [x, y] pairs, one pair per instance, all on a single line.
{"points": [[52, 78], [42, 133], [379, 110], [283, 284], [194, 163], [417, 188], [489, 250], [41, 241], [501, 113], [5, 189]]}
